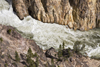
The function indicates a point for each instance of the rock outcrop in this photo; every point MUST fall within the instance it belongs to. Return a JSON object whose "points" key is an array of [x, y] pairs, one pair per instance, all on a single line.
{"points": [[84, 13], [21, 8], [98, 13], [10, 42], [16, 51], [77, 14]]}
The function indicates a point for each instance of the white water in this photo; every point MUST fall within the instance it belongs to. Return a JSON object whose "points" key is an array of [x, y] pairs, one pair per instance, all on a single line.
{"points": [[49, 35]]}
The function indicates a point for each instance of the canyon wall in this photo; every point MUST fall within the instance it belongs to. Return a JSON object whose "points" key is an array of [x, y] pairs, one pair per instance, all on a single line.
{"points": [[98, 13], [77, 14]]}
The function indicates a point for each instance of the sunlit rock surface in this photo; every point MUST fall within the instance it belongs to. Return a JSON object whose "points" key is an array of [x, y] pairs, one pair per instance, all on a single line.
{"points": [[77, 14], [84, 13], [20, 6]]}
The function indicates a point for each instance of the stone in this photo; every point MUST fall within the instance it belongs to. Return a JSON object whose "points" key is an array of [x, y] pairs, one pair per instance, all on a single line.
{"points": [[52, 53]]}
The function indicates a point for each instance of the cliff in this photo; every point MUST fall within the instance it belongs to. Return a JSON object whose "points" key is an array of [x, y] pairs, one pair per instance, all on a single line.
{"points": [[16, 51], [77, 14]]}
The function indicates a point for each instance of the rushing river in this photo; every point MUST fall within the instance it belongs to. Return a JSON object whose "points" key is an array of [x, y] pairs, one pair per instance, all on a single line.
{"points": [[49, 35]]}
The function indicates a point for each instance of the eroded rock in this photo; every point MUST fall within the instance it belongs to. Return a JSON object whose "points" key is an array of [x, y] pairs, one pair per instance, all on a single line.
{"points": [[84, 13], [21, 8], [50, 11], [98, 13], [77, 14]]}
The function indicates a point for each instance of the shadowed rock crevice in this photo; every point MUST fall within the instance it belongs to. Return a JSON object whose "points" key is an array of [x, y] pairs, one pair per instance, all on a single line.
{"points": [[98, 13], [44, 5]]}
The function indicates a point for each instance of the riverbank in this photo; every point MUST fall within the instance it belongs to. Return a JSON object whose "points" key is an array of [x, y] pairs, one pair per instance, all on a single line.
{"points": [[16, 51]]}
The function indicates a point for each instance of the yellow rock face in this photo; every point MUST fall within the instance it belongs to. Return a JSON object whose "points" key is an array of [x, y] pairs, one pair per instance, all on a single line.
{"points": [[81, 13]]}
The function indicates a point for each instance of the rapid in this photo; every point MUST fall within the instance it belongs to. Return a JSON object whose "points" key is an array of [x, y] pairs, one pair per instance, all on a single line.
{"points": [[48, 35]]}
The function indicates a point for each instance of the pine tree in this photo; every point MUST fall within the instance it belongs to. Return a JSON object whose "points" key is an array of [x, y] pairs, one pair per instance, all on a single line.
{"points": [[17, 59]]}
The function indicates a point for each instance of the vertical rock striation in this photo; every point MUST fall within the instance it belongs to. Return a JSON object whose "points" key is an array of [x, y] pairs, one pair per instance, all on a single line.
{"points": [[98, 13], [77, 14], [20, 7], [84, 13]]}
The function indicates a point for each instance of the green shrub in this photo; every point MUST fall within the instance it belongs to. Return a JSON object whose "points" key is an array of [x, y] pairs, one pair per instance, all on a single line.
{"points": [[17, 59], [97, 58], [69, 52], [99, 21], [76, 47], [63, 46], [52, 63], [30, 55], [9, 56], [1, 39], [5, 65], [59, 52], [9, 31], [37, 62], [30, 62]]}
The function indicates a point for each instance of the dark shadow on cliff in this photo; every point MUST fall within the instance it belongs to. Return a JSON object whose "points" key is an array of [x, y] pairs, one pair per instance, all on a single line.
{"points": [[44, 5]]}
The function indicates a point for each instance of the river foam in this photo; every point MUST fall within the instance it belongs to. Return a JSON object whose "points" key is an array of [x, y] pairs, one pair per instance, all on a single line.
{"points": [[49, 35]]}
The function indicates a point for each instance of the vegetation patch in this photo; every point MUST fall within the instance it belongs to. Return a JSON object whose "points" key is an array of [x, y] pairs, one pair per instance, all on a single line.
{"points": [[99, 21], [76, 47], [1, 39], [6, 65], [97, 58], [17, 58], [9, 31], [64, 54], [30, 55], [52, 63]]}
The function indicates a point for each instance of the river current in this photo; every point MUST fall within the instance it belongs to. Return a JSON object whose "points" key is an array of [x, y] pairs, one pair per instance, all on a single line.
{"points": [[49, 35]]}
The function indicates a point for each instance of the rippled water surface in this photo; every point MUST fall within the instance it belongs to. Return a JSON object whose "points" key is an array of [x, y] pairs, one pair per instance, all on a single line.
{"points": [[49, 35]]}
